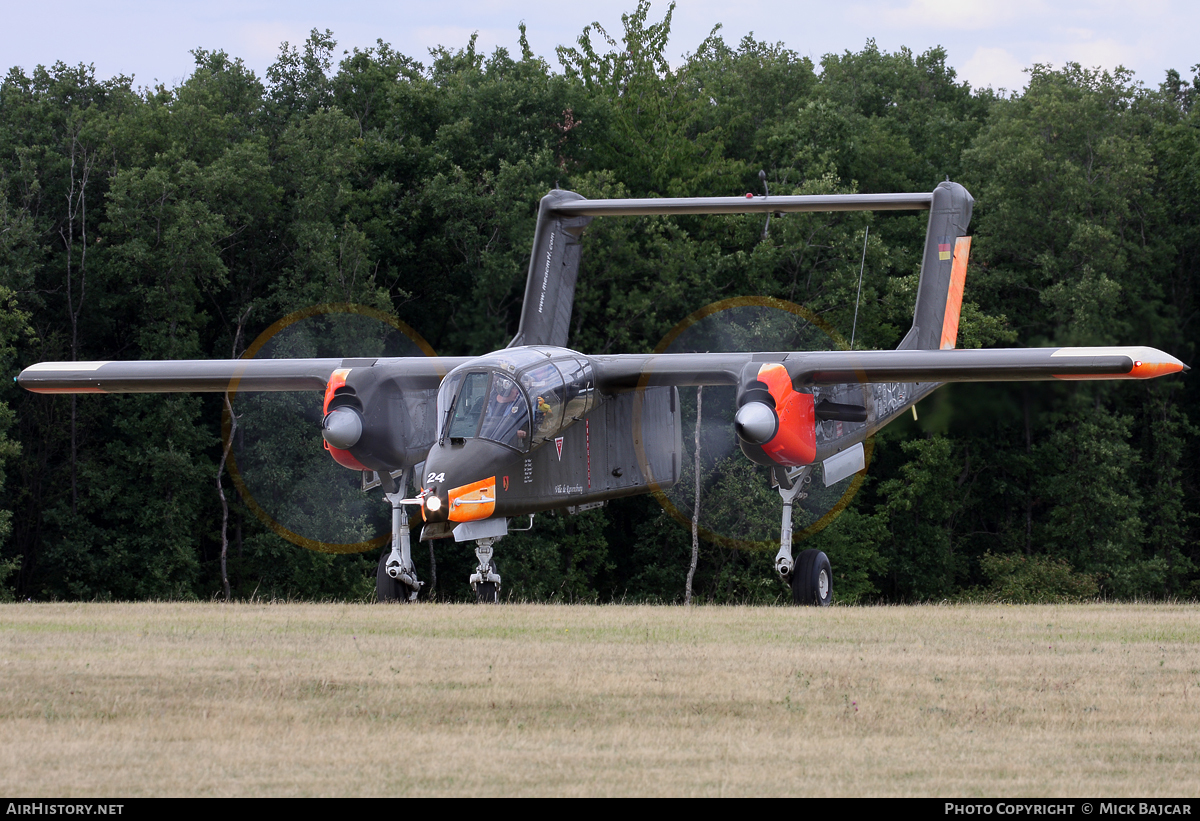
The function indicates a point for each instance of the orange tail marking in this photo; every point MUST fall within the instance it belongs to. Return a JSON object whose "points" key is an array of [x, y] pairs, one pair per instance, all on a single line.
{"points": [[958, 278]]}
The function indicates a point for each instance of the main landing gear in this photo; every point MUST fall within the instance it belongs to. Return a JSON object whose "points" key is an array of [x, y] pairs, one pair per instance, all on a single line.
{"points": [[396, 576], [809, 576]]}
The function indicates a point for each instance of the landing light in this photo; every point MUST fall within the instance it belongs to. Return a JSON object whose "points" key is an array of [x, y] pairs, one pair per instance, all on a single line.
{"points": [[433, 504]]}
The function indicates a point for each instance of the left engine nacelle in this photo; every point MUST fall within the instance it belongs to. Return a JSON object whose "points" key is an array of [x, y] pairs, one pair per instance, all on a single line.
{"points": [[366, 422], [775, 423]]}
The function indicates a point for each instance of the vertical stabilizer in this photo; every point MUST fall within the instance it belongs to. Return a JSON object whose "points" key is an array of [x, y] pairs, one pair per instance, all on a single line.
{"points": [[943, 270], [553, 270]]}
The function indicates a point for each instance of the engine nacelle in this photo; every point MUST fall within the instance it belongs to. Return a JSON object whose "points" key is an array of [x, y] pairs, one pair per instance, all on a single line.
{"points": [[776, 424], [366, 422]]}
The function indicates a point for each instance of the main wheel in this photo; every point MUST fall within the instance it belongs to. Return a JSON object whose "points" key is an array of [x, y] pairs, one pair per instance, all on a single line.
{"points": [[388, 589], [488, 592], [812, 579]]}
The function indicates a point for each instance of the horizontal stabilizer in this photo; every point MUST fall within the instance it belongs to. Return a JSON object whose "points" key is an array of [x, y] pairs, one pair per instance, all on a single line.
{"points": [[743, 205]]}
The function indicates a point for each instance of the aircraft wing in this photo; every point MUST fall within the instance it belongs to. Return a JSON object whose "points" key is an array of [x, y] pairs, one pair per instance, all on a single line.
{"points": [[808, 368], [622, 372], [219, 375]]}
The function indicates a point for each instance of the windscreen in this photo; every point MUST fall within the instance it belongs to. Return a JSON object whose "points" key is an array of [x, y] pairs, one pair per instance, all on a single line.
{"points": [[468, 406], [506, 417]]}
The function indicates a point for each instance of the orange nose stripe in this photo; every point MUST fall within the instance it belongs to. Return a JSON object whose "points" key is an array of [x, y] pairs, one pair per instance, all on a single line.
{"points": [[474, 501]]}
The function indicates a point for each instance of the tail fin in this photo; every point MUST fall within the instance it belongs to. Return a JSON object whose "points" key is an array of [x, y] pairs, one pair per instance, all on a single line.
{"points": [[943, 270], [553, 270]]}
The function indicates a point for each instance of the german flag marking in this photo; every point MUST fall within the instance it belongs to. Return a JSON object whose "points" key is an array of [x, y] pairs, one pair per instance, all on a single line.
{"points": [[954, 294]]}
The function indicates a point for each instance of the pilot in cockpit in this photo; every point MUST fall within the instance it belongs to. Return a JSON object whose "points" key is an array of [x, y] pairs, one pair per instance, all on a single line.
{"points": [[506, 416]]}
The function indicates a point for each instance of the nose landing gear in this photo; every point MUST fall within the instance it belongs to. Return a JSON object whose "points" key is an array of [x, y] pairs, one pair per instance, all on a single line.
{"points": [[485, 581]]}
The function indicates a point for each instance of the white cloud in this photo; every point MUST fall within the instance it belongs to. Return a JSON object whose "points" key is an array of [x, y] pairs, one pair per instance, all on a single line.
{"points": [[995, 67], [258, 43], [955, 14], [1104, 53], [454, 38]]}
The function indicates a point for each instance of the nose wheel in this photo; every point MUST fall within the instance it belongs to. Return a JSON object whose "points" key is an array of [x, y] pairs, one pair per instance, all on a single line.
{"points": [[488, 592]]}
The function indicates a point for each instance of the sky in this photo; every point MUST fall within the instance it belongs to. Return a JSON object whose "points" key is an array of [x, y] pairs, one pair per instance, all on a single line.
{"points": [[987, 43]]}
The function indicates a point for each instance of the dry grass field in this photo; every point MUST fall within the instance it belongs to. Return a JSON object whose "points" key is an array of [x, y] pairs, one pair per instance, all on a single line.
{"points": [[332, 699]]}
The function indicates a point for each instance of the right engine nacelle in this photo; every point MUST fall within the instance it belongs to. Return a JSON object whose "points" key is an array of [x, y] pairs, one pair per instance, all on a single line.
{"points": [[367, 424], [776, 424]]}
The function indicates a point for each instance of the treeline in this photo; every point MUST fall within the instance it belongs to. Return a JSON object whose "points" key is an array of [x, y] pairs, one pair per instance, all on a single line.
{"points": [[181, 222]]}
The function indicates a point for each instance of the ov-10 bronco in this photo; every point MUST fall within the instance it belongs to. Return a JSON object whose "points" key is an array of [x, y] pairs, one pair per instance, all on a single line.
{"points": [[537, 426]]}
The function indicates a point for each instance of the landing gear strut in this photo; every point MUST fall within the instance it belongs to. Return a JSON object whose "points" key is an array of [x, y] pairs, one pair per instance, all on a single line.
{"points": [[809, 577], [485, 580], [791, 484], [396, 577]]}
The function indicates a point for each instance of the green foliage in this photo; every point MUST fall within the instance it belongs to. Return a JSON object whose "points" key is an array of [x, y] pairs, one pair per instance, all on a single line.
{"points": [[1036, 579], [14, 324], [853, 543], [921, 507], [564, 558], [655, 142], [1094, 510]]}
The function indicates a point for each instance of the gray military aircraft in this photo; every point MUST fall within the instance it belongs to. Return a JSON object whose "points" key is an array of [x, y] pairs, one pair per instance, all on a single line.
{"points": [[537, 426]]}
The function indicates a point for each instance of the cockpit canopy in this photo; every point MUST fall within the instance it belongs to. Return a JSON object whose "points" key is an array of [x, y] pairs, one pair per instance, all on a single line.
{"points": [[521, 397]]}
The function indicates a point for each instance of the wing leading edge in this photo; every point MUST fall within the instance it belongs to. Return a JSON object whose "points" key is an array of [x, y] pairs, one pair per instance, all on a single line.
{"points": [[219, 375], [809, 368]]}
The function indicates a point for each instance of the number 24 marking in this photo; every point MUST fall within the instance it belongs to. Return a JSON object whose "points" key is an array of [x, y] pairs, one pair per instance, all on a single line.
{"points": [[434, 478]]}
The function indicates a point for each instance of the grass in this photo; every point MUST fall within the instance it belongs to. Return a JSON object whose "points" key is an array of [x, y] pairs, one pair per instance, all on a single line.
{"points": [[330, 699]]}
